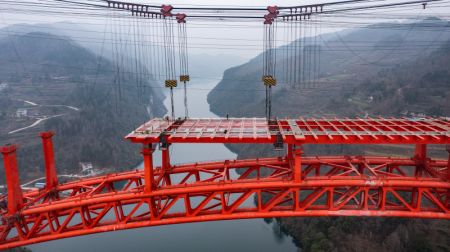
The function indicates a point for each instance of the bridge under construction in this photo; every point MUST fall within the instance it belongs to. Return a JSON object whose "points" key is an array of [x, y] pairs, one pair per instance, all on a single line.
{"points": [[291, 184]]}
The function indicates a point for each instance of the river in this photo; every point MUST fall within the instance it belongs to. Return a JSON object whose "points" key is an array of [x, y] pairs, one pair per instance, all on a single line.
{"points": [[230, 235]]}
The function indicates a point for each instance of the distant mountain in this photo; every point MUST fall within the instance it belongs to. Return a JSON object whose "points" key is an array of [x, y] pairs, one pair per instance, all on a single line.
{"points": [[38, 52], [51, 70], [417, 88], [347, 60], [200, 65]]}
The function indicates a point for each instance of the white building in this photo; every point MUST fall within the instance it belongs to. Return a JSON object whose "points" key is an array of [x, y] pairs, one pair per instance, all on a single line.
{"points": [[21, 112], [3, 86], [87, 168]]}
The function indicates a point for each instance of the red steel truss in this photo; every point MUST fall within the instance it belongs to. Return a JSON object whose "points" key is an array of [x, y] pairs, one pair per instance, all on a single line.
{"points": [[291, 185]]}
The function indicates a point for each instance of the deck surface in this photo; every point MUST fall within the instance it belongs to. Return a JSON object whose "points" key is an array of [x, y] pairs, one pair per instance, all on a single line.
{"points": [[295, 131]]}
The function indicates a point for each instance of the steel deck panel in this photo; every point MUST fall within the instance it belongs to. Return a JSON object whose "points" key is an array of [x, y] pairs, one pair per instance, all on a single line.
{"points": [[296, 131]]}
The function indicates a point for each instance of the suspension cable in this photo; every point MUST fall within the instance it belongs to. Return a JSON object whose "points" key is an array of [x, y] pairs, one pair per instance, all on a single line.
{"points": [[183, 57], [269, 57]]}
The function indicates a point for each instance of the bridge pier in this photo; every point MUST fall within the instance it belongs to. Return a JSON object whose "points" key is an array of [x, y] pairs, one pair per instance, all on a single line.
{"points": [[147, 152], [15, 195], [51, 177]]}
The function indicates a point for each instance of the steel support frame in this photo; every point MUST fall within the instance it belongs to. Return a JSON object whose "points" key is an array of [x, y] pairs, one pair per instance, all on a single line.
{"points": [[361, 197], [262, 169], [330, 186]]}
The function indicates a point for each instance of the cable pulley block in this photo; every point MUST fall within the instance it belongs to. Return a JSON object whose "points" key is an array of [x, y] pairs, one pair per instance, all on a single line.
{"points": [[181, 17], [166, 10]]}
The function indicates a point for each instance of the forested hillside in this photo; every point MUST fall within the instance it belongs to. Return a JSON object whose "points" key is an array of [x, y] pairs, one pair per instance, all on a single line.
{"points": [[349, 62], [77, 94]]}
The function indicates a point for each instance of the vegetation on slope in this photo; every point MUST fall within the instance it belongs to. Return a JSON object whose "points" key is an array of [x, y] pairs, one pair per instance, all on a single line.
{"points": [[52, 70]]}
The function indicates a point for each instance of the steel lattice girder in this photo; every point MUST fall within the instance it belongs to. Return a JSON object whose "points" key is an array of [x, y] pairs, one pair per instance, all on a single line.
{"points": [[295, 131], [332, 186]]}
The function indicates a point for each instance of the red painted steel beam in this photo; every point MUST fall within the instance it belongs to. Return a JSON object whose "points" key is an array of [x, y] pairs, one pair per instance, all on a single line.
{"points": [[217, 217], [51, 177]]}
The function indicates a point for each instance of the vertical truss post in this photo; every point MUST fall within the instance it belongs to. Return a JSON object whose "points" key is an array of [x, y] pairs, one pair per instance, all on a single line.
{"points": [[420, 156], [166, 164], [289, 153], [51, 177], [147, 152], [421, 151], [447, 147], [165, 159], [298, 164], [15, 196]]}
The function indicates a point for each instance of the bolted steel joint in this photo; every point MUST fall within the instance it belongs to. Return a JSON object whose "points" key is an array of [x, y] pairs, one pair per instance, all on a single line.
{"points": [[163, 144], [12, 219]]}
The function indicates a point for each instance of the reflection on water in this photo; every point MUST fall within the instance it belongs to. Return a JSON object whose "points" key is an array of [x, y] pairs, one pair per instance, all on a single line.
{"points": [[234, 235]]}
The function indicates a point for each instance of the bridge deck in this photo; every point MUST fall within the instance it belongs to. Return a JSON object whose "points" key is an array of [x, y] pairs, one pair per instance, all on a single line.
{"points": [[295, 131]]}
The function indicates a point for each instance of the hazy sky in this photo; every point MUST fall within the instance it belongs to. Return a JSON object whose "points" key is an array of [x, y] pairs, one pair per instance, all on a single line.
{"points": [[222, 37]]}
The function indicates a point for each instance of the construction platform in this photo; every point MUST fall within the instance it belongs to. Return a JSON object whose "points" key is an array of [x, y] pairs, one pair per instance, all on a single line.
{"points": [[294, 131]]}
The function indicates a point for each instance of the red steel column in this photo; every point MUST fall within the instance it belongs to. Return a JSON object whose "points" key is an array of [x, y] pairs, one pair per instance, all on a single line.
{"points": [[420, 155], [421, 151], [51, 178], [289, 152], [165, 159], [447, 147], [15, 196], [165, 163], [147, 152], [298, 164]]}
